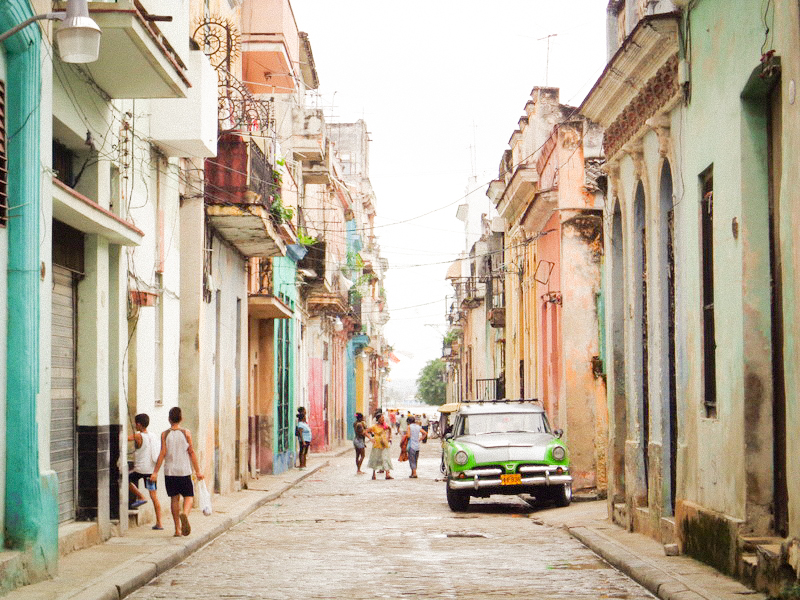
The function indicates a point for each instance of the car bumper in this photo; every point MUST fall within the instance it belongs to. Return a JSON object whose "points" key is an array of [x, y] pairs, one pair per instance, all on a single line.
{"points": [[482, 483]]}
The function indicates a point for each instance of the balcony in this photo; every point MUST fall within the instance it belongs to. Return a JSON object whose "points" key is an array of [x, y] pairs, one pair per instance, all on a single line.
{"points": [[267, 306], [187, 127], [238, 196], [272, 46], [489, 389], [310, 144], [496, 313], [136, 59], [519, 191], [355, 310], [322, 300]]}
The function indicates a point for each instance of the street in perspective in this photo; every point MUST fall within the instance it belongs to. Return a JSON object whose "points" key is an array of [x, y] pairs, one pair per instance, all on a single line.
{"points": [[425, 299], [342, 535]]}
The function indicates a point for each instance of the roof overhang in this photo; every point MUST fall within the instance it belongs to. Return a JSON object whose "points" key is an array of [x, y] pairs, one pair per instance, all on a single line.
{"points": [[307, 68], [495, 190], [83, 214], [652, 42], [539, 211]]}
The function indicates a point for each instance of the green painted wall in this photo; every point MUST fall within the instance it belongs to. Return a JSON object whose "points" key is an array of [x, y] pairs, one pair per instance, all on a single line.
{"points": [[285, 277], [726, 130], [787, 42]]}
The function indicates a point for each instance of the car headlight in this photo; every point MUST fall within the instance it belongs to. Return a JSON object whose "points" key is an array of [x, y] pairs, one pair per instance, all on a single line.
{"points": [[461, 458], [559, 453]]}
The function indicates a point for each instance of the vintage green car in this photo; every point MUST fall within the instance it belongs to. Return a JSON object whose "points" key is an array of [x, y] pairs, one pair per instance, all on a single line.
{"points": [[505, 447]]}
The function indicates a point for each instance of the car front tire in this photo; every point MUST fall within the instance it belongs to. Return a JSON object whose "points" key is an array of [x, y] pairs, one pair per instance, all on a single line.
{"points": [[563, 495], [457, 500]]}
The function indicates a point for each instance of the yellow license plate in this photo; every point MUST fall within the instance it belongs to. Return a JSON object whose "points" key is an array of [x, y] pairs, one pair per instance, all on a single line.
{"points": [[515, 479]]}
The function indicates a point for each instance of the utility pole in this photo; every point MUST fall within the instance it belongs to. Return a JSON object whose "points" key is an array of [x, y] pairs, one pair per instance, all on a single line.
{"points": [[547, 64]]}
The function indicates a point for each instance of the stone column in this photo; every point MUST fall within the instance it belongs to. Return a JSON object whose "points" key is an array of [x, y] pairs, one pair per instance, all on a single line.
{"points": [[93, 387]]}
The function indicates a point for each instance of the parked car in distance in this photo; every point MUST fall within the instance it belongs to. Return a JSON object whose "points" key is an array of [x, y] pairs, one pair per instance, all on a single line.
{"points": [[504, 447]]}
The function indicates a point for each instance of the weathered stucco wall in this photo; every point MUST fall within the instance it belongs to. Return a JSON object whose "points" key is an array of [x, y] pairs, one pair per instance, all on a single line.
{"points": [[729, 136], [787, 40]]}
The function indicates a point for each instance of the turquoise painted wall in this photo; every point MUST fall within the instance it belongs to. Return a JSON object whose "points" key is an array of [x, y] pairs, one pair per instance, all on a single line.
{"points": [[31, 512]]}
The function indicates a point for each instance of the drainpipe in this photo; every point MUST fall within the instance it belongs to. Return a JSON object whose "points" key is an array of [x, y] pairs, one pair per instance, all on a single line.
{"points": [[29, 518]]}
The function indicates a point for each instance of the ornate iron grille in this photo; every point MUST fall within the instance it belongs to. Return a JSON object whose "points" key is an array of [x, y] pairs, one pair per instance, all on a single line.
{"points": [[237, 108]]}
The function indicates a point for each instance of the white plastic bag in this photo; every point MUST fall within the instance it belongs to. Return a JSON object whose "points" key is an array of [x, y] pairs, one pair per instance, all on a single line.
{"points": [[203, 497]]}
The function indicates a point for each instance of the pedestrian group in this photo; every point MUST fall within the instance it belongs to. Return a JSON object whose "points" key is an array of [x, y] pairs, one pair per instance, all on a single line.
{"points": [[173, 451], [380, 460]]}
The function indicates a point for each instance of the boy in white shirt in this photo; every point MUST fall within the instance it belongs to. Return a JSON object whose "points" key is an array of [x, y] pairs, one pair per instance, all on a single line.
{"points": [[147, 448]]}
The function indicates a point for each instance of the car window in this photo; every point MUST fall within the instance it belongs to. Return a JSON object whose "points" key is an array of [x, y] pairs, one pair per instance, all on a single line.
{"points": [[504, 423]]}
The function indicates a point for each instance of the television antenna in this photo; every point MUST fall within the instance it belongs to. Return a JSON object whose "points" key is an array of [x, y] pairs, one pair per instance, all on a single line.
{"points": [[547, 63]]}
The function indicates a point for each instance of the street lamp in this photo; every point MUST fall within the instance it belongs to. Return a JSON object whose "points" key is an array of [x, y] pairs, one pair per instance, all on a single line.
{"points": [[78, 36]]}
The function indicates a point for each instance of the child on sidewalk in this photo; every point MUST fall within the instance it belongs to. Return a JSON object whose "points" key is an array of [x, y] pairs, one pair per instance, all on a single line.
{"points": [[304, 438], [147, 449], [178, 457]]}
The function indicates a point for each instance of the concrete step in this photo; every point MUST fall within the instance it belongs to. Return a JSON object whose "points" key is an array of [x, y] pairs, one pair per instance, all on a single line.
{"points": [[11, 571], [748, 567], [749, 543]]}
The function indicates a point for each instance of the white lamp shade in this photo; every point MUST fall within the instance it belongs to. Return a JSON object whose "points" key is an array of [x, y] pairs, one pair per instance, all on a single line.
{"points": [[79, 42], [78, 36]]}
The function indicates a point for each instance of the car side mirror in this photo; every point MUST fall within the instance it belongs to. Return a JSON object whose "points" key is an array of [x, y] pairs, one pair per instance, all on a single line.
{"points": [[558, 433], [448, 435]]}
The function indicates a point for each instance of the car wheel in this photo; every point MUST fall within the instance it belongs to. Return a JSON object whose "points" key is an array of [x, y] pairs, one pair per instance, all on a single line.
{"points": [[563, 495], [457, 500]]}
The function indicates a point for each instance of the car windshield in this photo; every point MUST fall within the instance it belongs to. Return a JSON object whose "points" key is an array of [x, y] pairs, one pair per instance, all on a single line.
{"points": [[504, 423]]}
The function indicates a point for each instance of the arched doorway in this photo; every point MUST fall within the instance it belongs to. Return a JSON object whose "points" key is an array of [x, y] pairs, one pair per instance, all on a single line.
{"points": [[639, 337], [666, 287], [617, 334]]}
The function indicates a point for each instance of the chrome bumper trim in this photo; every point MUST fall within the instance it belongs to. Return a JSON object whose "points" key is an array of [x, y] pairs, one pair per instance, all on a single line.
{"points": [[477, 483]]}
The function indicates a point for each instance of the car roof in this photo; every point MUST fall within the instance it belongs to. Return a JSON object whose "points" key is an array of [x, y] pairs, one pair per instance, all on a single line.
{"points": [[500, 406]]}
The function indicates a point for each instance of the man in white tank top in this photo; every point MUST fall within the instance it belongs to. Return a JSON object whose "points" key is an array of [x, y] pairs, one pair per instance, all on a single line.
{"points": [[178, 457], [145, 455]]}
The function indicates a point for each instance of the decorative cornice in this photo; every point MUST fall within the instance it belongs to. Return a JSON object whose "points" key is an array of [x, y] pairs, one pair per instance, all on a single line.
{"points": [[661, 125], [656, 93], [650, 45]]}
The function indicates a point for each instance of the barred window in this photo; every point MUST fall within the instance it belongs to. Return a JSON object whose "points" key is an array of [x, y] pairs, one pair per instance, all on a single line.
{"points": [[3, 158]]}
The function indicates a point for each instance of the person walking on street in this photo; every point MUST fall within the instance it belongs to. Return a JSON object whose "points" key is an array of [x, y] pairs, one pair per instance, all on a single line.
{"points": [[178, 457], [360, 441], [414, 434], [304, 437], [301, 415], [380, 457], [147, 448], [425, 424], [402, 424]]}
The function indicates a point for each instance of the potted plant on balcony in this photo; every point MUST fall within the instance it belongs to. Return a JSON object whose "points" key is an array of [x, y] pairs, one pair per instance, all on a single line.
{"points": [[304, 239]]}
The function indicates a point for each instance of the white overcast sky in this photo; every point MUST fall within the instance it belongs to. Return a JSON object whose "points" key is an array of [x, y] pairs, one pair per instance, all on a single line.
{"points": [[441, 85]]}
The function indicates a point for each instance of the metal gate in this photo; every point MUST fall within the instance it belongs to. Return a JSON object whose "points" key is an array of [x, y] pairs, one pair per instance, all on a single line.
{"points": [[63, 442]]}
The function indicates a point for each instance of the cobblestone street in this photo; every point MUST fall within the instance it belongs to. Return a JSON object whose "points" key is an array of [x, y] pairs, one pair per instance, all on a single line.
{"points": [[339, 535]]}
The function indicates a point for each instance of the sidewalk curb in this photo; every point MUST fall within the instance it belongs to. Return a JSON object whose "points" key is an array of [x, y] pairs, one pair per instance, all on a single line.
{"points": [[139, 571], [652, 578]]}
